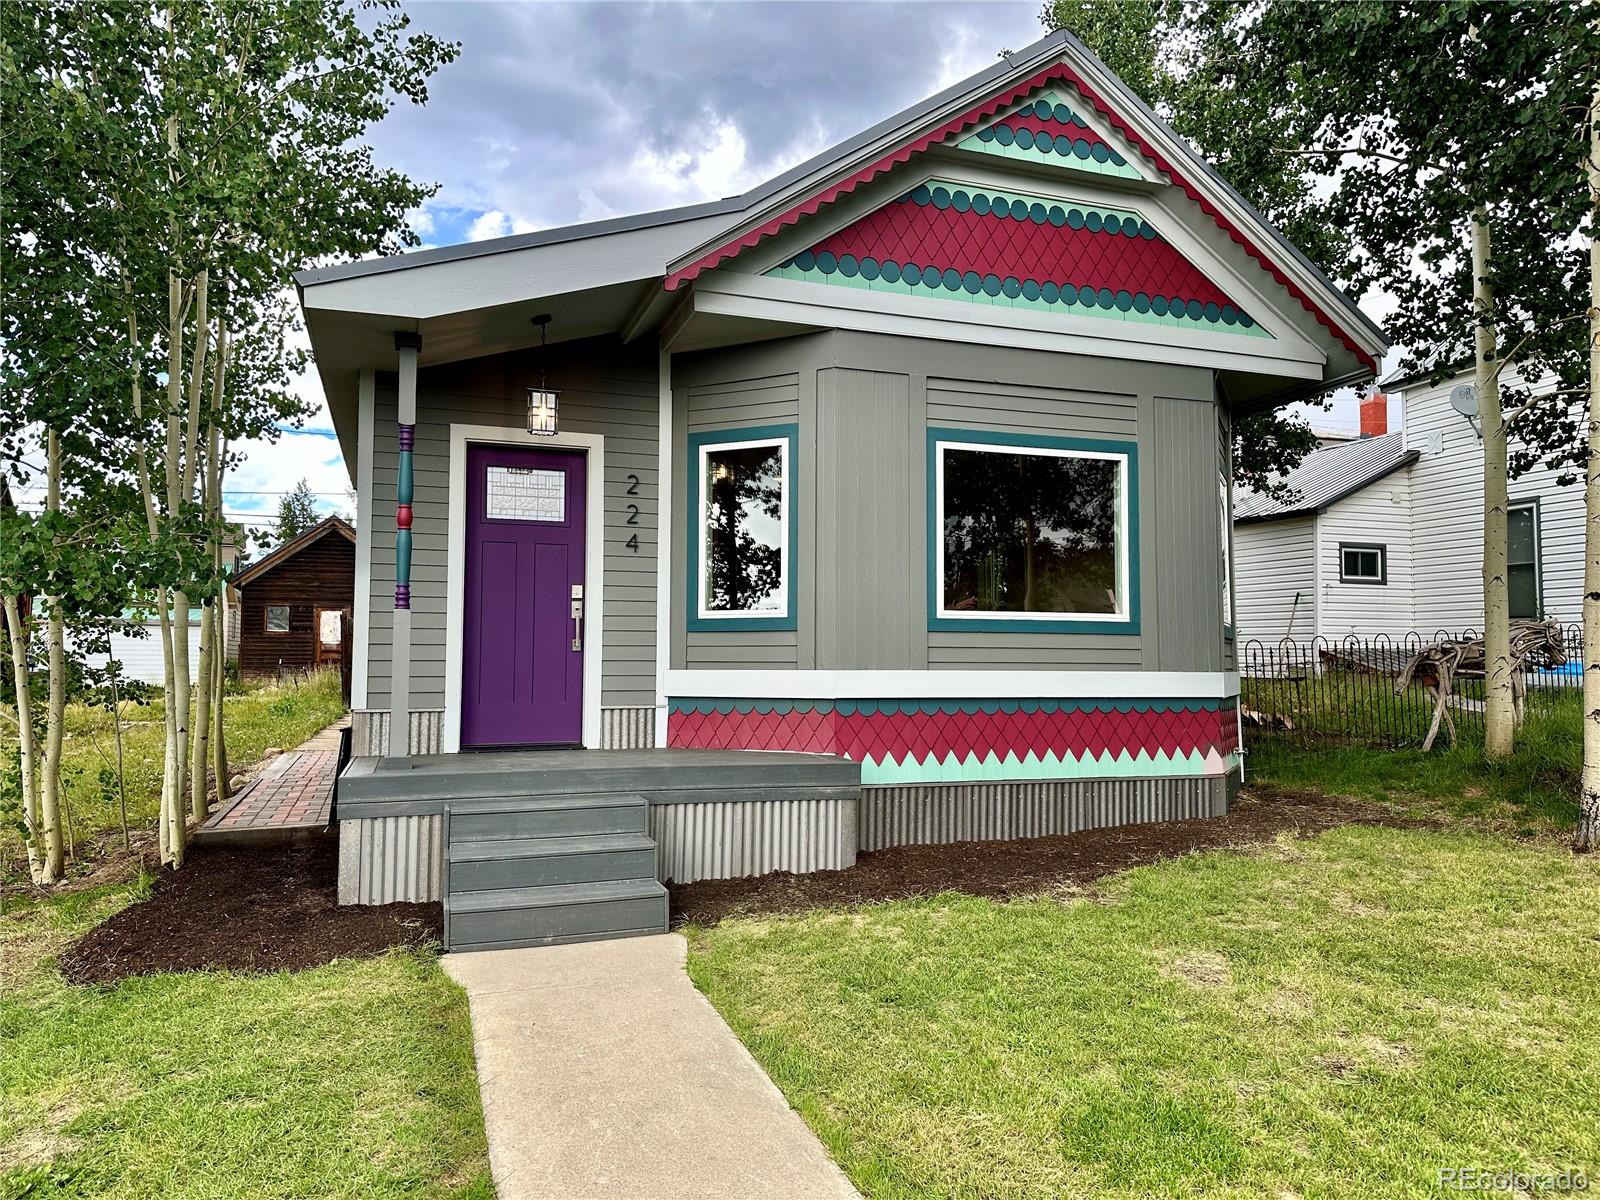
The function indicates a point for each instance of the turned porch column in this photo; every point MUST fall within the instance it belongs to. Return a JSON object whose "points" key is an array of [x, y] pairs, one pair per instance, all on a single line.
{"points": [[406, 346]]}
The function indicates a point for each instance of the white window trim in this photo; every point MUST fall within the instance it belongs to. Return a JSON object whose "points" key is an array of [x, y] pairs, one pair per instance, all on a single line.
{"points": [[704, 560], [1118, 457], [594, 447]]}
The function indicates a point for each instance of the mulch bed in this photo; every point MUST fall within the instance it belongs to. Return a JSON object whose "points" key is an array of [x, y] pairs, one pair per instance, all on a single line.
{"points": [[256, 909], [1002, 870]]}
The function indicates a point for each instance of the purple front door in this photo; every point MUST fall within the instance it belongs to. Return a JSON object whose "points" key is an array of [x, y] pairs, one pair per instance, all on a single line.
{"points": [[522, 661]]}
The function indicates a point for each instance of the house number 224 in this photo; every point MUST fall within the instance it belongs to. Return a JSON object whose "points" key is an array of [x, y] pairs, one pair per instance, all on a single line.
{"points": [[633, 513]]}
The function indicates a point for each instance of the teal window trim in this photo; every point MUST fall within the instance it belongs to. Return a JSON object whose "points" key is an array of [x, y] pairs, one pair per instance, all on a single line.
{"points": [[1005, 623], [735, 623]]}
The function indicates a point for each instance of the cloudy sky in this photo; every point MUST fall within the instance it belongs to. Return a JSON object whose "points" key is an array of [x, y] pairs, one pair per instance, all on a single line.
{"points": [[558, 113]]}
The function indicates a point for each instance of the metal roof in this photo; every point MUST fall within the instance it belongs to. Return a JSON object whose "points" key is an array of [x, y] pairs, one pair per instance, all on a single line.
{"points": [[735, 207], [1327, 476]]}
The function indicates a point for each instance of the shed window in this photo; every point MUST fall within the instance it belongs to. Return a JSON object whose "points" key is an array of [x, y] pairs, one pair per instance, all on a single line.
{"points": [[1363, 564], [1522, 545], [1031, 532], [277, 618], [744, 528]]}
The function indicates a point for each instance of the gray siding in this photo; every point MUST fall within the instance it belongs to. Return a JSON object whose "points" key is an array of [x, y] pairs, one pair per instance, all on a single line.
{"points": [[740, 398], [606, 389], [864, 404]]}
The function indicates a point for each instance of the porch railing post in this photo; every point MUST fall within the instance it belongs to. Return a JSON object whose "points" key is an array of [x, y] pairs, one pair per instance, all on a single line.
{"points": [[407, 346]]}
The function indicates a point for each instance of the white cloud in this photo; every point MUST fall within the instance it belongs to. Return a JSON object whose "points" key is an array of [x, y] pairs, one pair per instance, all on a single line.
{"points": [[491, 224]]}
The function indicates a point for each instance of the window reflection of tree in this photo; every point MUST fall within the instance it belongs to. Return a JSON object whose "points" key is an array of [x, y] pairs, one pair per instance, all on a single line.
{"points": [[1029, 533], [744, 565]]}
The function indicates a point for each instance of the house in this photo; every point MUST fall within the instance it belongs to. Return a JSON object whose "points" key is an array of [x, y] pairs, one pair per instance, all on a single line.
{"points": [[1383, 536], [297, 603], [910, 464], [140, 655]]}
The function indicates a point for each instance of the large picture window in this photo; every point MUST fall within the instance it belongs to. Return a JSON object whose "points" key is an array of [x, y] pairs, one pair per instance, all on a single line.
{"points": [[743, 528], [1031, 533]]}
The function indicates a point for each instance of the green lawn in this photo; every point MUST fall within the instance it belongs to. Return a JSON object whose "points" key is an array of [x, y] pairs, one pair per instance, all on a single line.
{"points": [[350, 1080], [281, 714], [1534, 793], [1341, 1016]]}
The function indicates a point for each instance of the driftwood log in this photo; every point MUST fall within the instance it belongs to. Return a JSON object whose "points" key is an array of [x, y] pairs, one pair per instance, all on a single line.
{"points": [[1436, 668]]}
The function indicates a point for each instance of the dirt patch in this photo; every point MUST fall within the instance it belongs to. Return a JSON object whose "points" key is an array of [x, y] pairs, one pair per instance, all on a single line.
{"points": [[1202, 969], [256, 909], [1002, 870]]}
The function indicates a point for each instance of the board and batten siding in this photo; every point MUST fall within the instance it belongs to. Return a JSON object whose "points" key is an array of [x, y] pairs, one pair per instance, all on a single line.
{"points": [[1447, 518], [606, 388], [864, 404], [1379, 514], [1275, 574]]}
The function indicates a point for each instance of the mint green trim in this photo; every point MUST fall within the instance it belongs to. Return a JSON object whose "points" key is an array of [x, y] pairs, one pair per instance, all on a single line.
{"points": [[953, 768]]}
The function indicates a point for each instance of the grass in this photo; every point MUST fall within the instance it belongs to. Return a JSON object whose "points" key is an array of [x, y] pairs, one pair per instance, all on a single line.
{"points": [[1341, 1016], [281, 714], [1534, 793], [354, 1079]]}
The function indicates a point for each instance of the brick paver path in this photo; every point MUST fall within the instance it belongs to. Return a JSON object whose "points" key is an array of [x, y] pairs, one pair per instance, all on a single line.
{"points": [[296, 789]]}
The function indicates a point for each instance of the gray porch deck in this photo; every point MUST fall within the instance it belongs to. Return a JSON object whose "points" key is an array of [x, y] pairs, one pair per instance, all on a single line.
{"points": [[429, 783]]}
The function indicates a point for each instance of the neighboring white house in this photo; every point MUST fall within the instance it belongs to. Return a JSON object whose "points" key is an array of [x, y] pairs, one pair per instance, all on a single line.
{"points": [[1384, 535], [141, 656]]}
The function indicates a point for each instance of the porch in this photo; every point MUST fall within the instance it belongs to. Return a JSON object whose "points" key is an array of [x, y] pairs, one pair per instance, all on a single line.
{"points": [[539, 847]]}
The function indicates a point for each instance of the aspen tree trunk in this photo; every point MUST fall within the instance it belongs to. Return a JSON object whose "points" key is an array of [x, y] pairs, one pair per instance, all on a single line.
{"points": [[172, 832], [198, 760], [210, 481], [50, 780], [27, 744], [1587, 836], [1499, 714]]}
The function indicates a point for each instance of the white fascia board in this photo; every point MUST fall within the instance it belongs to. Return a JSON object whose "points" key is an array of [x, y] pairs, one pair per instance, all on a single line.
{"points": [[951, 685], [516, 276], [796, 302]]}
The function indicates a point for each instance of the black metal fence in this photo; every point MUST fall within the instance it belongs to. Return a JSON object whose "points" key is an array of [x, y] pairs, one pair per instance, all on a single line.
{"points": [[1330, 690]]}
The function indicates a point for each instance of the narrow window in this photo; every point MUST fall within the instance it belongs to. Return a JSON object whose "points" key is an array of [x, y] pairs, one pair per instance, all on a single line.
{"points": [[1227, 552], [1522, 546], [1032, 533], [744, 528], [1363, 564], [277, 618]]}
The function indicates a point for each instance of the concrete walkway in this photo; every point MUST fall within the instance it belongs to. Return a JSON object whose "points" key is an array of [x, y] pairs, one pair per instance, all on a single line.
{"points": [[605, 1073]]}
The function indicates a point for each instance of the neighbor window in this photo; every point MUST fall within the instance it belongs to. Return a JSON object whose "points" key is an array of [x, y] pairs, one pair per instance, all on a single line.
{"points": [[1522, 546], [744, 528], [277, 618], [1032, 532], [1363, 564]]}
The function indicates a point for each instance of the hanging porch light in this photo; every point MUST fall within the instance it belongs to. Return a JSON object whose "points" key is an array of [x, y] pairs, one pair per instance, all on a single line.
{"points": [[542, 402]]}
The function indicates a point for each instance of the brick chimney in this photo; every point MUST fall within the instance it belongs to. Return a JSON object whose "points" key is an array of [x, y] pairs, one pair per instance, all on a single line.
{"points": [[1374, 415]]}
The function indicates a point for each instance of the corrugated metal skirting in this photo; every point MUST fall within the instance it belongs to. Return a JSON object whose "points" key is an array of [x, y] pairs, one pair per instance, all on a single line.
{"points": [[977, 812], [369, 731], [716, 840], [384, 860], [628, 728]]}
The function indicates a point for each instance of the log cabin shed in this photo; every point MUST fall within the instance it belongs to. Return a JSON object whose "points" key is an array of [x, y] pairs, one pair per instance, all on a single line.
{"points": [[887, 502], [297, 604]]}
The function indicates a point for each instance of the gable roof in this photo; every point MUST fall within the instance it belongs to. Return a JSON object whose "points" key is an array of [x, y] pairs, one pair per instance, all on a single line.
{"points": [[1328, 476], [293, 547], [694, 239]]}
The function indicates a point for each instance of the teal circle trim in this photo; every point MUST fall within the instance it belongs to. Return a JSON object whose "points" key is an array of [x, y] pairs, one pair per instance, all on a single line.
{"points": [[869, 268], [1069, 294], [991, 285], [1062, 113], [1075, 218], [1124, 301], [1080, 148], [1107, 298], [1230, 315], [941, 197], [920, 194], [980, 204], [1094, 222], [890, 271], [1038, 213], [1141, 302], [1030, 289], [1147, 231], [961, 201], [848, 267], [1050, 293], [952, 279], [1024, 138], [1195, 309], [805, 260], [972, 282], [1004, 134], [1019, 210], [1117, 160], [1159, 305], [827, 263], [1058, 215], [1012, 287], [1100, 152], [1212, 312], [986, 135]]}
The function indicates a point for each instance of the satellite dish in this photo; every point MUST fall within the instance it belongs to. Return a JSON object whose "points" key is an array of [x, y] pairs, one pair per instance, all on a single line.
{"points": [[1464, 399]]}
